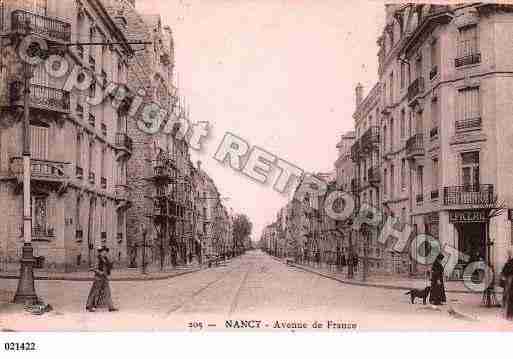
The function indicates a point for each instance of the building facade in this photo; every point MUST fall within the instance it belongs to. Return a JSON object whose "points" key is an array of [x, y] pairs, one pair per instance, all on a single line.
{"points": [[75, 152]]}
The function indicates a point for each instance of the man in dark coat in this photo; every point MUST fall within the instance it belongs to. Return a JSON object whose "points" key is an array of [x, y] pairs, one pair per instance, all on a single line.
{"points": [[507, 280], [437, 295]]}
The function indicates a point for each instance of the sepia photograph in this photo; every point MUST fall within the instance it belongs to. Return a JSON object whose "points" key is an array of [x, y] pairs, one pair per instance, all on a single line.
{"points": [[255, 166]]}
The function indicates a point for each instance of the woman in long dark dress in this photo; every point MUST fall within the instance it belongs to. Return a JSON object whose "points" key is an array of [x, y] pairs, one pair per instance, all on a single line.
{"points": [[100, 295], [507, 297], [437, 295]]}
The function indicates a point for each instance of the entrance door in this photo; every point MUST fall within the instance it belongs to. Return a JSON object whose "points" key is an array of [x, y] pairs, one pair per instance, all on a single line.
{"points": [[472, 242]]}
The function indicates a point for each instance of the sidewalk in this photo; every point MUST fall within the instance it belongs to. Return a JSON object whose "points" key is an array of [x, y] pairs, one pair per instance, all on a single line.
{"points": [[122, 274], [384, 281]]}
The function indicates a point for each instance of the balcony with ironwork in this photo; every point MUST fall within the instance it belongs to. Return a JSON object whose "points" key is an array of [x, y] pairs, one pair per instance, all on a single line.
{"points": [[124, 142], [50, 172], [41, 97], [79, 171], [415, 89], [469, 195], [42, 233], [121, 191], [433, 72], [49, 28], [415, 146], [469, 124], [374, 175], [370, 139], [470, 59]]}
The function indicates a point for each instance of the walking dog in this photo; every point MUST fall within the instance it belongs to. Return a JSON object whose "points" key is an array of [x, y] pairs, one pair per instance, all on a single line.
{"points": [[419, 293]]}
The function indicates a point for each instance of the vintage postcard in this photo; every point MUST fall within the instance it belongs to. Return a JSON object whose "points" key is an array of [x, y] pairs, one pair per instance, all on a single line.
{"points": [[255, 166]]}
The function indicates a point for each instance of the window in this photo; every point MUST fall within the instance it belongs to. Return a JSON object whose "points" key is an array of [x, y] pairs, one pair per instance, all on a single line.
{"points": [[391, 134], [470, 170], [419, 126], [103, 167], [391, 82], [385, 182], [434, 59], [435, 174], [467, 42], [418, 67], [392, 180], [91, 157], [403, 123], [403, 74], [39, 141], [403, 174], [78, 154], [434, 118], [40, 225], [410, 126], [420, 181], [468, 104], [385, 139]]}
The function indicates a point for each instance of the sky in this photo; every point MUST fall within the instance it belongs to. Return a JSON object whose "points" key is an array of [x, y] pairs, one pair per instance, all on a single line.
{"points": [[278, 73]]}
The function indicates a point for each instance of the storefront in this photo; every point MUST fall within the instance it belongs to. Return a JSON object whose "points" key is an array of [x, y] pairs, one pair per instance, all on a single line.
{"points": [[471, 226]]}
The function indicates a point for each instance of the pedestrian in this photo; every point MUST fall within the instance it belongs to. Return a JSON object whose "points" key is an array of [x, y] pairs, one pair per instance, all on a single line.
{"points": [[100, 294], [437, 294], [507, 284]]}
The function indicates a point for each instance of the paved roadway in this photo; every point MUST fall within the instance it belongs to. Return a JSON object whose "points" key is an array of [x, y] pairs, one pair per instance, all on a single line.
{"points": [[252, 287]]}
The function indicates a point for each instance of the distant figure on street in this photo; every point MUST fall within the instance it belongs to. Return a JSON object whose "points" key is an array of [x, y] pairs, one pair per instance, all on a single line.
{"points": [[100, 295], [437, 296], [507, 281]]}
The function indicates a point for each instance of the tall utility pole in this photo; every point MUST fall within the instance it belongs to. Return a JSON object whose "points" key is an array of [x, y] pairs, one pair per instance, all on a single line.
{"points": [[26, 292]]}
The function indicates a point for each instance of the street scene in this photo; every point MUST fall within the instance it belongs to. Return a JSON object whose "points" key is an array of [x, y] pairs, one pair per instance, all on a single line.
{"points": [[268, 167], [253, 287]]}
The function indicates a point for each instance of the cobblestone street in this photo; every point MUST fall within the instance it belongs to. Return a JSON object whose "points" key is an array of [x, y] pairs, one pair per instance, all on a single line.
{"points": [[252, 287]]}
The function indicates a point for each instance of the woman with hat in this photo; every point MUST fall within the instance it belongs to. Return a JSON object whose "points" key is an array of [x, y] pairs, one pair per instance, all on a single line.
{"points": [[437, 294], [100, 290]]}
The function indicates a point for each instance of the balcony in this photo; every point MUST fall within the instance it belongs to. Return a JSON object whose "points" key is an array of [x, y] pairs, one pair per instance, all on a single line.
{"points": [[435, 195], [370, 138], [469, 195], [103, 183], [374, 175], [471, 124], [433, 72], [92, 177], [41, 170], [123, 141], [79, 172], [468, 60], [122, 192], [47, 27], [433, 133], [92, 120], [41, 97], [416, 88], [42, 233], [415, 146], [79, 234]]}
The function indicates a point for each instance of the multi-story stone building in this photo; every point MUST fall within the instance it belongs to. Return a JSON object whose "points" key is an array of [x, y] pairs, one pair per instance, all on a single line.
{"points": [[75, 146], [444, 75]]}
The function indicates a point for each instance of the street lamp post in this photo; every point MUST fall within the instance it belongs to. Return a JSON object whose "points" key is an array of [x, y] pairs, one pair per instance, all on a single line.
{"points": [[26, 292]]}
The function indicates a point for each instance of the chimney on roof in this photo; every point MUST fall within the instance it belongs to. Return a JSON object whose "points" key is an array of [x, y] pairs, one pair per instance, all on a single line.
{"points": [[359, 94]]}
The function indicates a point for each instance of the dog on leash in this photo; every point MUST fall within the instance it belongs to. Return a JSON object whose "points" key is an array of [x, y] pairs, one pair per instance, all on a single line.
{"points": [[419, 293]]}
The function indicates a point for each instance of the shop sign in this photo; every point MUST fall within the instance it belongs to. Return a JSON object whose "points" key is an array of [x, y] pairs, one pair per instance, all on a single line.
{"points": [[467, 216]]}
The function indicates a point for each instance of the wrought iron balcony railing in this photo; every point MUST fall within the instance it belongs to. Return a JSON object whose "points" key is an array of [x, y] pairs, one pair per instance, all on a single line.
{"points": [[415, 145], [469, 124], [123, 141], [42, 97], [45, 26], [370, 138], [42, 170], [79, 172], [469, 195], [415, 88], [42, 232], [433, 72], [468, 60], [374, 175]]}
